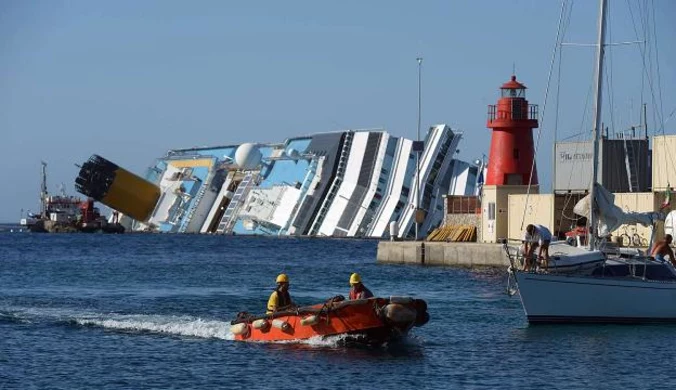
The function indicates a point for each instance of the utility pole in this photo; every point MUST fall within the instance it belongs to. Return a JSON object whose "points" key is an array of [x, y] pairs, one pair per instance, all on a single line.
{"points": [[417, 155]]}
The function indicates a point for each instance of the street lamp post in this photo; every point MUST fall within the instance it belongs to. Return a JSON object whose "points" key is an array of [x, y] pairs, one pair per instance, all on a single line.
{"points": [[417, 158]]}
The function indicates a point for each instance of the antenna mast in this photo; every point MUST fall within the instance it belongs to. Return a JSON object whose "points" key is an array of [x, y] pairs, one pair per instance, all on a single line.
{"points": [[43, 189]]}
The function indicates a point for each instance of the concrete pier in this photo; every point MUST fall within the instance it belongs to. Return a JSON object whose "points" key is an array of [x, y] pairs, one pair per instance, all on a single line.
{"points": [[461, 254]]}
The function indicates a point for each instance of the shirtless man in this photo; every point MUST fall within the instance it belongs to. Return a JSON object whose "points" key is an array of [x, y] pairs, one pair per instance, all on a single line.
{"points": [[662, 249]]}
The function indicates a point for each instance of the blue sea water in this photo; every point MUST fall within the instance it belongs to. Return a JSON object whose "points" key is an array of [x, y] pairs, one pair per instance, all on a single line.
{"points": [[153, 312]]}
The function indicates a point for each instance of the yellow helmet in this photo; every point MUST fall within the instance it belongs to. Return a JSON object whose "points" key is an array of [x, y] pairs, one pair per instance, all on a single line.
{"points": [[282, 278], [355, 278]]}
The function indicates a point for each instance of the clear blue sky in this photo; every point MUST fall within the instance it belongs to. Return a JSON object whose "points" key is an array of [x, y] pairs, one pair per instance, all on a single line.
{"points": [[131, 79]]}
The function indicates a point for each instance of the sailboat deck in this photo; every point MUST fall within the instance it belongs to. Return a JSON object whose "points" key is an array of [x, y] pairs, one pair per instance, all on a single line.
{"points": [[643, 269]]}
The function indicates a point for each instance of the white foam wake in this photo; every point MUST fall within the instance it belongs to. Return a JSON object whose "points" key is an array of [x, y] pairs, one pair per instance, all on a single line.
{"points": [[316, 341], [173, 325]]}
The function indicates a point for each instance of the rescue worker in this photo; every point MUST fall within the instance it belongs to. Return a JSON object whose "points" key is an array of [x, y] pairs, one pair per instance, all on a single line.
{"points": [[357, 289], [280, 299], [662, 249], [536, 236]]}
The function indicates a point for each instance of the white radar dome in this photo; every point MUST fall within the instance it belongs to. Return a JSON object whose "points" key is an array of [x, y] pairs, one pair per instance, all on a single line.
{"points": [[248, 156]]}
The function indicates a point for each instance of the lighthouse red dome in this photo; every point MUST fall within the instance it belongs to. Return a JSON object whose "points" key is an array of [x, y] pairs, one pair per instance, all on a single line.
{"points": [[513, 84]]}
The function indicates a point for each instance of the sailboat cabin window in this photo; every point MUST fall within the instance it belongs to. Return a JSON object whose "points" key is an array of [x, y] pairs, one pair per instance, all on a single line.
{"points": [[491, 211]]}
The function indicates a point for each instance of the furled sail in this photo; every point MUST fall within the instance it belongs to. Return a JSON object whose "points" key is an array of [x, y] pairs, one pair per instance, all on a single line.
{"points": [[611, 216]]}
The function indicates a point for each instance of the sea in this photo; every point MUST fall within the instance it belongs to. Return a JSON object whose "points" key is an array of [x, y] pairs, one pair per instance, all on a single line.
{"points": [[153, 311]]}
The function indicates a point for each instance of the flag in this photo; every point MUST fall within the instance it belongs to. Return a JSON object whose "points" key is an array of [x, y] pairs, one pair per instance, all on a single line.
{"points": [[667, 198]]}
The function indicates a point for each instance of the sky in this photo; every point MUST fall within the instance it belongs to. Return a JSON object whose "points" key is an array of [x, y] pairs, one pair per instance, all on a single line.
{"points": [[130, 80]]}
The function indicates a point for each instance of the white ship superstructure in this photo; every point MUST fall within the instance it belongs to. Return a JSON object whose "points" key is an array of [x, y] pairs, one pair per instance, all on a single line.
{"points": [[345, 184]]}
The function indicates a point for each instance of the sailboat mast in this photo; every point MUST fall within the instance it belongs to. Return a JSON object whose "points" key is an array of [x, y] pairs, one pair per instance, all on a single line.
{"points": [[597, 123]]}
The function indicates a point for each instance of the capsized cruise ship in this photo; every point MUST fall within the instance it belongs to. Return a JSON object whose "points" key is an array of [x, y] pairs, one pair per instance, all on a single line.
{"points": [[340, 184]]}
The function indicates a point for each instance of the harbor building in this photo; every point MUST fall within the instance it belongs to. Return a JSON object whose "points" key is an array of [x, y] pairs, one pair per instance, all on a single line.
{"points": [[641, 179]]}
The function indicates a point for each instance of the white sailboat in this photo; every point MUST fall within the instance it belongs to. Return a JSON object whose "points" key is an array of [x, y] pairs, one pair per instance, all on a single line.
{"points": [[616, 290], [563, 258]]}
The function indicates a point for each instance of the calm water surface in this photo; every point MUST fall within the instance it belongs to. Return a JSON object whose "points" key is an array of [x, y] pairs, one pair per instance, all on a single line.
{"points": [[153, 311]]}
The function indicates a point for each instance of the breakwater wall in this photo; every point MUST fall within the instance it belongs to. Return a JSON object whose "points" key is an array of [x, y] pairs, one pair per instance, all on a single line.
{"points": [[461, 254]]}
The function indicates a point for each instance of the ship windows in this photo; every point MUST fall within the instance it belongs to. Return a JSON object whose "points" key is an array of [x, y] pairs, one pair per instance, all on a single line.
{"points": [[433, 175]]}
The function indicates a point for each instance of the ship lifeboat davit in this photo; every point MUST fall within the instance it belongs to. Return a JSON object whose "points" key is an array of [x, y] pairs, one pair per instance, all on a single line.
{"points": [[370, 321]]}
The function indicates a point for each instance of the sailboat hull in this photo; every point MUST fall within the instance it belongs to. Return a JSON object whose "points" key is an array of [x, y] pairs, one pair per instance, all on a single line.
{"points": [[551, 298]]}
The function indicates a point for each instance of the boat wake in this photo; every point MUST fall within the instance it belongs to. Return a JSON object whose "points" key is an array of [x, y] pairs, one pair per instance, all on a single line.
{"points": [[344, 340], [182, 326], [313, 342], [162, 324], [187, 326], [11, 317]]}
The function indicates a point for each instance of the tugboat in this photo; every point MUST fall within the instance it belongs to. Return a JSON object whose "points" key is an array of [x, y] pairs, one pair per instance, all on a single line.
{"points": [[372, 321], [67, 214]]}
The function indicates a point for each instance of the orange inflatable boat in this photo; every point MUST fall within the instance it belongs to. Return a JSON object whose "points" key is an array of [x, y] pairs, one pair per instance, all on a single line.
{"points": [[369, 321]]}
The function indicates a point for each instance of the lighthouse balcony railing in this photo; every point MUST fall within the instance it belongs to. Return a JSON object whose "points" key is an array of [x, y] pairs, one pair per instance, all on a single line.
{"points": [[495, 113]]}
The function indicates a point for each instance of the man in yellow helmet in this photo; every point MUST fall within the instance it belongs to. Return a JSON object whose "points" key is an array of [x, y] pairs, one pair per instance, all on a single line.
{"points": [[280, 299], [357, 289]]}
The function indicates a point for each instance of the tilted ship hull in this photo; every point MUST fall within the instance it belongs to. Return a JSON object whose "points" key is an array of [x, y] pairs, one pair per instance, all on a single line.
{"points": [[339, 184]]}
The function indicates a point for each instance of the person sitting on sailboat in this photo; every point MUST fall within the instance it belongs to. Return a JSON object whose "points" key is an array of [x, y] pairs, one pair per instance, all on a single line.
{"points": [[280, 299], [537, 236], [662, 249], [357, 289]]}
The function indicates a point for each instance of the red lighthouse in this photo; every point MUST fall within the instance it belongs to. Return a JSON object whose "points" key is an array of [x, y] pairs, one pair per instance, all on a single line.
{"points": [[512, 121]]}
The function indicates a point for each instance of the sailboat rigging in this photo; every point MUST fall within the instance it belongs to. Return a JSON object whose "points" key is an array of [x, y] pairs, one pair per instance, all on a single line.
{"points": [[613, 289]]}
